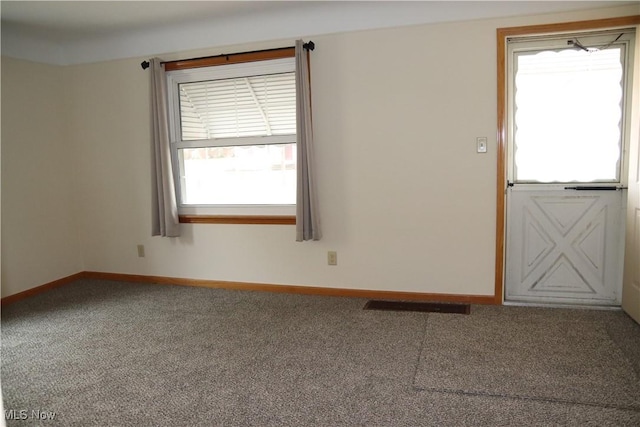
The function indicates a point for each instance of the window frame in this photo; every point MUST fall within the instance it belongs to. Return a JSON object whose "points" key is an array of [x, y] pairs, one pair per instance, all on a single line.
{"points": [[283, 61]]}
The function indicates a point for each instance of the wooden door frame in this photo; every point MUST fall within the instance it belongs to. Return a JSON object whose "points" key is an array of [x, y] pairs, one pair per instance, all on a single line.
{"points": [[501, 181]]}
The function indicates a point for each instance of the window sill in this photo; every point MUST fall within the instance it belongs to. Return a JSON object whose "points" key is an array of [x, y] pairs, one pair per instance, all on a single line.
{"points": [[238, 219]]}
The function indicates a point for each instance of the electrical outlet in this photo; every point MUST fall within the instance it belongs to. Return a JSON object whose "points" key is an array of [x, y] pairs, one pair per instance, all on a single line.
{"points": [[332, 258], [140, 251]]}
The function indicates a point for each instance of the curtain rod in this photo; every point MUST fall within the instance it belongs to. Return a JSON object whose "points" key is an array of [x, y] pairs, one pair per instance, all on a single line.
{"points": [[309, 46]]}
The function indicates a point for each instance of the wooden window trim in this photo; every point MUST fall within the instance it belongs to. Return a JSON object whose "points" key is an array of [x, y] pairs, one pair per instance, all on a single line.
{"points": [[235, 58], [239, 219], [502, 34]]}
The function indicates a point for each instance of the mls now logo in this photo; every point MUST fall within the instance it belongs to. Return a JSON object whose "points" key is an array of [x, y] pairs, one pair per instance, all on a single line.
{"points": [[23, 414]]}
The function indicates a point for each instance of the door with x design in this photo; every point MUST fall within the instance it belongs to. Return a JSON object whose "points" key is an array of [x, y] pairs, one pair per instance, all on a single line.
{"points": [[567, 98], [565, 246]]}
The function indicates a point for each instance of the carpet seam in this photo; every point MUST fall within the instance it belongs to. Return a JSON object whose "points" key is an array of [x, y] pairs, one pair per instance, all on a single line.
{"points": [[521, 397], [461, 392]]}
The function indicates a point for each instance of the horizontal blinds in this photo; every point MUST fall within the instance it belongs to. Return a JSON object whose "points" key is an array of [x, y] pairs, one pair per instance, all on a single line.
{"points": [[263, 105]]}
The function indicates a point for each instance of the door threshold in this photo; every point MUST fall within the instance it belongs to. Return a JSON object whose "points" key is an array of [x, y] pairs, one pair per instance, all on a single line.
{"points": [[563, 305]]}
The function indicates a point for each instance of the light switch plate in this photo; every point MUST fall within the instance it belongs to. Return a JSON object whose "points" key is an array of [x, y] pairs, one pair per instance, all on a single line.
{"points": [[481, 144]]}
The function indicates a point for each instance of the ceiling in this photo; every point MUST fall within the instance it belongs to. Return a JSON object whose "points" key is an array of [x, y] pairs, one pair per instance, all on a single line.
{"points": [[68, 32], [74, 19]]}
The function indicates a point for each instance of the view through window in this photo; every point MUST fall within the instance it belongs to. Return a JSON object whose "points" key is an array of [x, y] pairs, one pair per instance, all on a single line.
{"points": [[568, 114], [234, 134]]}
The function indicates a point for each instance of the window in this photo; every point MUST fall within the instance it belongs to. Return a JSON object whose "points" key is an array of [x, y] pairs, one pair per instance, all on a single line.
{"points": [[567, 107], [233, 133]]}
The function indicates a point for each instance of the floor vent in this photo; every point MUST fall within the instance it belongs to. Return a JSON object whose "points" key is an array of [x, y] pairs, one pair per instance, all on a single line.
{"points": [[426, 307]]}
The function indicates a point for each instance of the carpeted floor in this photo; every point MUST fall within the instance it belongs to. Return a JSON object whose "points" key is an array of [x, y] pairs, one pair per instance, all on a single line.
{"points": [[100, 353], [533, 353]]}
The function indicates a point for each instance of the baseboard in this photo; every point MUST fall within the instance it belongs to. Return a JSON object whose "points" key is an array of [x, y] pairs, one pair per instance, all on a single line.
{"points": [[40, 289], [291, 289]]}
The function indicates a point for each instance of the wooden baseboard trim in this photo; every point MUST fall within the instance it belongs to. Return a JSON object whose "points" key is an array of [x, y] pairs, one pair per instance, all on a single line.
{"points": [[40, 289], [246, 286], [292, 289]]}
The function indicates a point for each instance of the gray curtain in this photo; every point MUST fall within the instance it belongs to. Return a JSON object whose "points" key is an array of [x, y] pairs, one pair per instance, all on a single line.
{"points": [[164, 216], [307, 218]]}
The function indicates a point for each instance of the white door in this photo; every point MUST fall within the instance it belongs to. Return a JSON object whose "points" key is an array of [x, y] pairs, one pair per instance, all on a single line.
{"points": [[631, 284], [567, 170], [631, 288]]}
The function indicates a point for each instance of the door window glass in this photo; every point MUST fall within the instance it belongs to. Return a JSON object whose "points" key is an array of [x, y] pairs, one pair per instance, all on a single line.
{"points": [[567, 114]]}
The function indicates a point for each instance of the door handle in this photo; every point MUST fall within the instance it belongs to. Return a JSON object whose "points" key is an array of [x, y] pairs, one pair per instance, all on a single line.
{"points": [[592, 188]]}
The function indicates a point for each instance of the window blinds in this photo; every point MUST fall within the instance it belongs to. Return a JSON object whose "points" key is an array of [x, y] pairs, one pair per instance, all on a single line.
{"points": [[249, 106]]}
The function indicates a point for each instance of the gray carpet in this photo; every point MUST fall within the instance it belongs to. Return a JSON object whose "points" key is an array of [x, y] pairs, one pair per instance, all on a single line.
{"points": [[536, 353], [107, 353]]}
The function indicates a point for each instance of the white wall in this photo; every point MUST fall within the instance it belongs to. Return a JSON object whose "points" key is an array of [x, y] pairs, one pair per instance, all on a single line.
{"points": [[404, 195], [39, 229], [406, 201]]}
